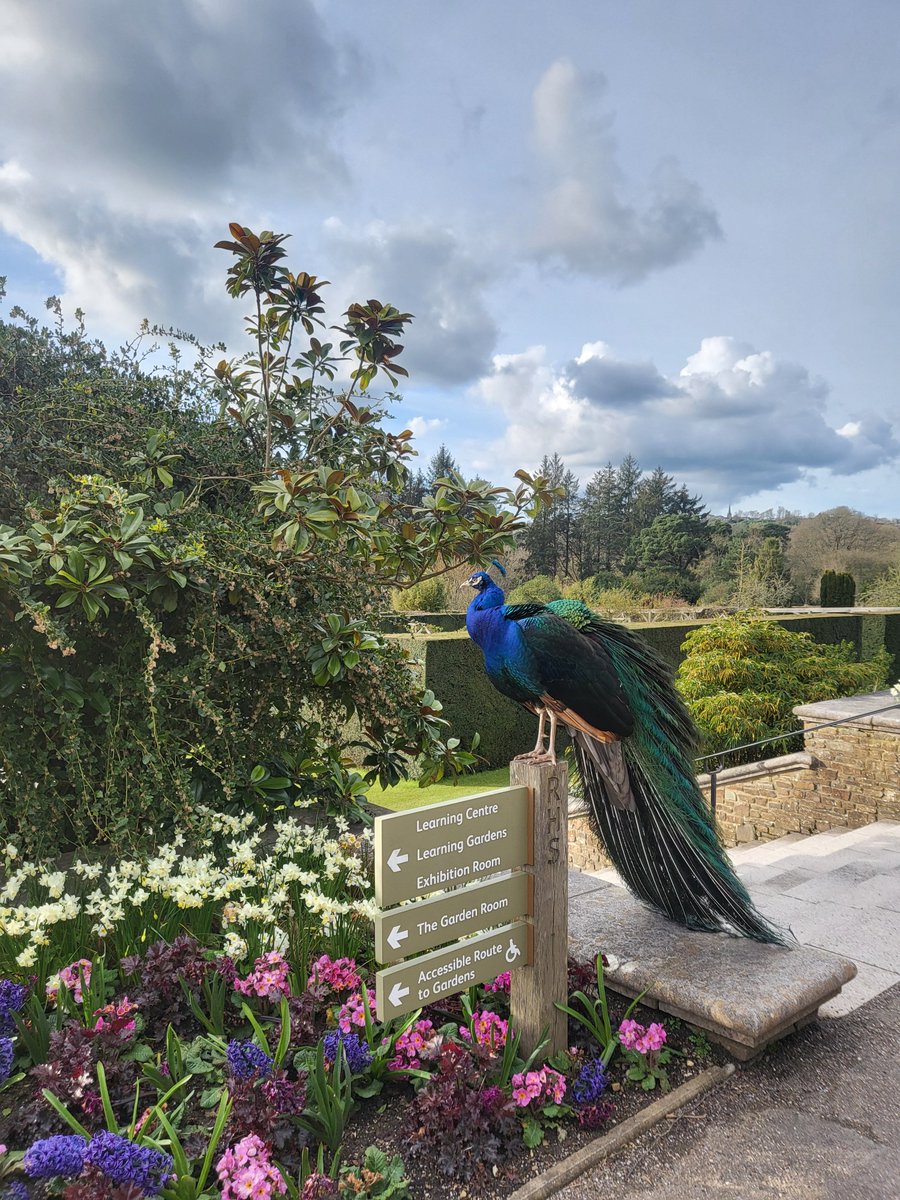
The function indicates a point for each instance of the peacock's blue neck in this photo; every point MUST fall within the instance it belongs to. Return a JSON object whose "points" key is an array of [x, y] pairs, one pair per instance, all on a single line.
{"points": [[484, 619]]}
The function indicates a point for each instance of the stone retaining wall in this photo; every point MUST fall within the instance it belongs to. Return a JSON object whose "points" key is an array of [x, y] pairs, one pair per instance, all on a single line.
{"points": [[847, 776]]}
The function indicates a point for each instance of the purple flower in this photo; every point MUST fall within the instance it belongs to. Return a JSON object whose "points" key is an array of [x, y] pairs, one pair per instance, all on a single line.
{"points": [[62, 1155], [318, 1187], [125, 1163], [285, 1095], [357, 1052], [12, 997], [247, 1061], [592, 1116], [591, 1082], [7, 1057], [14, 1190]]}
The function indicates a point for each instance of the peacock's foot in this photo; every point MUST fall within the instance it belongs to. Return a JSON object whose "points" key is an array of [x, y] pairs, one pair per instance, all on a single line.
{"points": [[537, 756]]}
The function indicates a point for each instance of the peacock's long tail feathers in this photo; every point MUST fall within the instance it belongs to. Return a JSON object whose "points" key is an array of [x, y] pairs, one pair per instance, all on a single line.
{"points": [[664, 842]]}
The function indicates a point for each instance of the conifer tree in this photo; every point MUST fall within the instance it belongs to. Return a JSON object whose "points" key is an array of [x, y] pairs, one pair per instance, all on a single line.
{"points": [[442, 464]]}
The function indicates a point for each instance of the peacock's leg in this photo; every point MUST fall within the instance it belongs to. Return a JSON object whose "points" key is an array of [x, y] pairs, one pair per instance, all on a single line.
{"points": [[540, 753], [551, 745], [539, 744]]}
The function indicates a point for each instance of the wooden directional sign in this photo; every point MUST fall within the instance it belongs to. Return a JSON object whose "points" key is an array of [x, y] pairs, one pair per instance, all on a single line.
{"points": [[428, 923], [433, 977], [444, 845]]}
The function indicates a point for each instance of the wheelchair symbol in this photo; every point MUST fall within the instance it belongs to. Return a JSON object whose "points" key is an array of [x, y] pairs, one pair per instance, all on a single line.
{"points": [[512, 952]]}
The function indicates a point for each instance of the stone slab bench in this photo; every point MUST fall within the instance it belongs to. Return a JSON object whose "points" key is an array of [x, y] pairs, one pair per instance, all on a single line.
{"points": [[743, 994]]}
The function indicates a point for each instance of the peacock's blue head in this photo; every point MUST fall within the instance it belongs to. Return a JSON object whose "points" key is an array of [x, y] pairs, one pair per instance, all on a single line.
{"points": [[480, 581], [488, 594]]}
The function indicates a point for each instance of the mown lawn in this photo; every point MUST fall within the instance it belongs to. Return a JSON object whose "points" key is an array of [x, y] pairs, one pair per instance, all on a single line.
{"points": [[410, 795]]}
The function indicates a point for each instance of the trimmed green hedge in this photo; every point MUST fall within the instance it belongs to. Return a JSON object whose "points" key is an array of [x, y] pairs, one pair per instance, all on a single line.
{"points": [[453, 667], [400, 622]]}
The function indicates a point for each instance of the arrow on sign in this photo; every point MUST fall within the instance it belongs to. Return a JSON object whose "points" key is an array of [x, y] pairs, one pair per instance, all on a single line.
{"points": [[397, 993], [396, 936], [396, 859]]}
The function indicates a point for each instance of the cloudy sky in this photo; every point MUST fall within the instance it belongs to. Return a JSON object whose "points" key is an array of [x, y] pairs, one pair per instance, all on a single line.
{"points": [[661, 228]]}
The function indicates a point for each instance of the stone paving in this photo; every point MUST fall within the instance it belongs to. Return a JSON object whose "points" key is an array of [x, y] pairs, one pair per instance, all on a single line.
{"points": [[816, 1116], [837, 891]]}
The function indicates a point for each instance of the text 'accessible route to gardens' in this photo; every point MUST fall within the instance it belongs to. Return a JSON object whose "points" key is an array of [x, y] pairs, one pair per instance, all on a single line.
{"points": [[445, 972]]}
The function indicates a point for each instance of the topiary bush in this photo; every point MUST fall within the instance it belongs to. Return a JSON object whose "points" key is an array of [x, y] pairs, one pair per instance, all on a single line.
{"points": [[742, 676], [837, 589]]}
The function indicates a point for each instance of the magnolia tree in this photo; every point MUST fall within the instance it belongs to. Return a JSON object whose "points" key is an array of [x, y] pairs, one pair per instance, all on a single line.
{"points": [[190, 562]]}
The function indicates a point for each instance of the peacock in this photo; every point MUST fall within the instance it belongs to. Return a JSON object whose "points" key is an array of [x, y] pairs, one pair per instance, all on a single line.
{"points": [[632, 742]]}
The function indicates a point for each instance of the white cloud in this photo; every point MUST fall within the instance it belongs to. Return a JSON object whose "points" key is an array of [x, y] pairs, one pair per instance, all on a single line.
{"points": [[13, 174], [586, 218], [733, 422], [423, 269], [132, 134], [421, 426]]}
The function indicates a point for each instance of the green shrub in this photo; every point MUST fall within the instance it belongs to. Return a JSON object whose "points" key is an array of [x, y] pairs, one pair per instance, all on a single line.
{"points": [[429, 596], [578, 589], [613, 601], [742, 676], [661, 581], [187, 562], [837, 589], [885, 591], [539, 590]]}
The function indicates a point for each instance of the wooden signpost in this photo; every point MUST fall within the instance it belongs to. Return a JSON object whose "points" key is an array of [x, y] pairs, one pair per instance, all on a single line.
{"points": [[445, 845], [516, 837], [443, 973], [427, 923]]}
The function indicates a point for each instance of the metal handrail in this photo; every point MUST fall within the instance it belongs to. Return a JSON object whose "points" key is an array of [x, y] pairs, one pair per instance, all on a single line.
{"points": [[778, 737]]}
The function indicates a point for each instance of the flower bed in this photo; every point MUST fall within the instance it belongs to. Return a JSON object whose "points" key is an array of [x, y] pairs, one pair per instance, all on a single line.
{"points": [[201, 1023]]}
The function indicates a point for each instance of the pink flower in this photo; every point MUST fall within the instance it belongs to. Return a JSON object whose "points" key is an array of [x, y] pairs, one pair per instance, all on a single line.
{"points": [[72, 978], [338, 974], [629, 1032], [500, 984], [246, 1172], [634, 1036], [352, 1012], [556, 1085], [268, 979], [656, 1036], [545, 1084], [489, 1029], [410, 1045]]}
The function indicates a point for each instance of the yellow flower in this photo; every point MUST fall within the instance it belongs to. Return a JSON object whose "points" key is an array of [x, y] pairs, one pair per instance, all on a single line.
{"points": [[27, 958]]}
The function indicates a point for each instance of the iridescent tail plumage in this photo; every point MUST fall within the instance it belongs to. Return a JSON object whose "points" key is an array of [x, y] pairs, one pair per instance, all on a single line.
{"points": [[644, 801]]}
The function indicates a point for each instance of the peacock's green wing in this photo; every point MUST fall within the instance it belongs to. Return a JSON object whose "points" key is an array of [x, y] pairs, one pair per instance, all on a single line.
{"points": [[574, 670]]}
